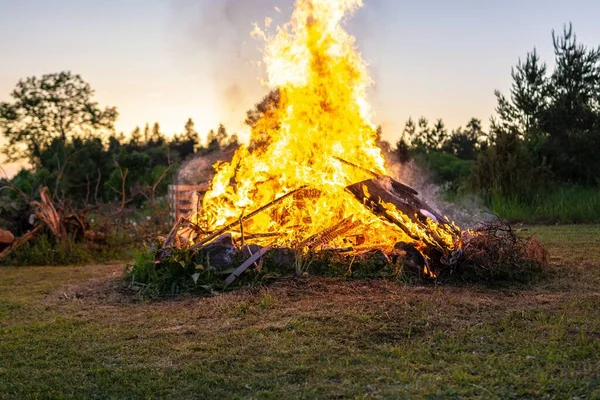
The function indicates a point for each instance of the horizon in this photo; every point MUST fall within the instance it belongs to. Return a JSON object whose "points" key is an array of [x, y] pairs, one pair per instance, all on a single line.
{"points": [[168, 60]]}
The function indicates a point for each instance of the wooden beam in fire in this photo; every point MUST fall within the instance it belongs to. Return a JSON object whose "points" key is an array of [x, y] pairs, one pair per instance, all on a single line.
{"points": [[382, 193]]}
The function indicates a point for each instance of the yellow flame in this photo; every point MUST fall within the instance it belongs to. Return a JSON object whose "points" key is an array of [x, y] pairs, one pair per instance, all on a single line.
{"points": [[322, 113]]}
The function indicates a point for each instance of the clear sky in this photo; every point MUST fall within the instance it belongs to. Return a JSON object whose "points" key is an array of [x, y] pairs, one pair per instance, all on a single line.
{"points": [[167, 60]]}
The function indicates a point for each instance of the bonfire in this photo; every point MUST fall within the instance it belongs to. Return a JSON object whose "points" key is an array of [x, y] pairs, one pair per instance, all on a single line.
{"points": [[312, 177]]}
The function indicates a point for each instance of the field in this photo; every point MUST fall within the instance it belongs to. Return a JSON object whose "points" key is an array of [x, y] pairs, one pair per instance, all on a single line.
{"points": [[72, 332]]}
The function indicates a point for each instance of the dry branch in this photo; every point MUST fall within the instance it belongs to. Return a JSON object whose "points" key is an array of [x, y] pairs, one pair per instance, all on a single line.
{"points": [[124, 200], [47, 213], [389, 199], [19, 242], [224, 229], [172, 234], [329, 234]]}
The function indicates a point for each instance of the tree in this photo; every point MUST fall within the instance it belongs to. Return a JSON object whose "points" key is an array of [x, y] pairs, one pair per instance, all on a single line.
{"points": [[507, 169], [528, 95], [217, 140], [186, 143], [269, 103], [437, 135], [54, 106], [146, 135], [157, 138], [572, 121], [419, 140], [409, 131], [557, 116], [135, 140], [464, 143], [262, 119]]}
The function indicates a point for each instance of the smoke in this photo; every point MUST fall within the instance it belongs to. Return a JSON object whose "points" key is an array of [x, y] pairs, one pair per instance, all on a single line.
{"points": [[214, 36], [467, 211]]}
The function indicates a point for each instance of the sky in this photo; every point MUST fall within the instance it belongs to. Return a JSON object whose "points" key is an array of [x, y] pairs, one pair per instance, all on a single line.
{"points": [[168, 60]]}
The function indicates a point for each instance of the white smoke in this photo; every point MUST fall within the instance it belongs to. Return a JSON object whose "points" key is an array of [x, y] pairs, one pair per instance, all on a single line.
{"points": [[466, 212], [214, 35]]}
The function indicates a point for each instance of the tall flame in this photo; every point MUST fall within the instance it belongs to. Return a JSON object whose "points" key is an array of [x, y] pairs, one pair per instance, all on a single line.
{"points": [[318, 115]]}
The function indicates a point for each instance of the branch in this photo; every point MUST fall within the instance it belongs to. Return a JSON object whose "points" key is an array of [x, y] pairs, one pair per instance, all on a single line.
{"points": [[18, 191], [124, 200], [162, 176], [97, 186]]}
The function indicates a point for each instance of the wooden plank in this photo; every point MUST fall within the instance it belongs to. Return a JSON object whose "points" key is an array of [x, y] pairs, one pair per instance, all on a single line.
{"points": [[227, 227], [380, 193], [240, 270]]}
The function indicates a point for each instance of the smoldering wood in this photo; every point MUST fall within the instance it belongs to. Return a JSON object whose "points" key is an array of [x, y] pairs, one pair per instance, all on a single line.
{"points": [[399, 186], [250, 236], [351, 164], [374, 193], [329, 234], [227, 227]]}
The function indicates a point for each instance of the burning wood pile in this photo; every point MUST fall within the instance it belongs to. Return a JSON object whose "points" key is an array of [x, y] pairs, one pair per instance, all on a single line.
{"points": [[313, 178], [392, 204]]}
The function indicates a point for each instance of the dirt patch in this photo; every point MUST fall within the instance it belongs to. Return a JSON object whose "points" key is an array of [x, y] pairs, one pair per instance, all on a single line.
{"points": [[93, 284]]}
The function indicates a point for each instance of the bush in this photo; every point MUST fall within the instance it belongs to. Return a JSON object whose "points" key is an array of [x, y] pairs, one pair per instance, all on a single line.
{"points": [[178, 272], [45, 250], [447, 168], [507, 168], [496, 255]]}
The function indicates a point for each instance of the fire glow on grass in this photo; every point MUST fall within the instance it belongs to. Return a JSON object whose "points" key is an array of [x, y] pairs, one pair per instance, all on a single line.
{"points": [[322, 115]]}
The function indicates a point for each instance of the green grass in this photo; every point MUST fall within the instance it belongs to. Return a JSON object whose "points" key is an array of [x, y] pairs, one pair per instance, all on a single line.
{"points": [[46, 250], [563, 205], [70, 332]]}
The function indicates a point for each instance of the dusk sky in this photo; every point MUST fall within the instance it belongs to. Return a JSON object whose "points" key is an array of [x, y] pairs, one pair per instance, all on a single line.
{"points": [[167, 60]]}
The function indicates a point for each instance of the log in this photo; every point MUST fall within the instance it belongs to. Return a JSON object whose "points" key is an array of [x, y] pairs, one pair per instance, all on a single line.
{"points": [[378, 194], [214, 235], [328, 234], [6, 237], [19, 242]]}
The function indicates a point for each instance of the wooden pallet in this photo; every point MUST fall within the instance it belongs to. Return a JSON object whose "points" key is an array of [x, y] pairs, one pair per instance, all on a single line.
{"points": [[180, 200]]}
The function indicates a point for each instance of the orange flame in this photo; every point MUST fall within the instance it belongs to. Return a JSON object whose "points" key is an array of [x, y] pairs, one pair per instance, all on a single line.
{"points": [[322, 114]]}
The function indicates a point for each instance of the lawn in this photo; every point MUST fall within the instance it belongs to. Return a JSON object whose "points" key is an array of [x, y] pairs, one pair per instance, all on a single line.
{"points": [[73, 332]]}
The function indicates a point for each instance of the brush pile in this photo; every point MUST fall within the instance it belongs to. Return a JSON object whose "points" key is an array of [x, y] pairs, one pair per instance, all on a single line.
{"points": [[494, 252]]}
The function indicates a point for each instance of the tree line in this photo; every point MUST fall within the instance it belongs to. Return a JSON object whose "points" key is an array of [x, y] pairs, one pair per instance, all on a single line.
{"points": [[72, 147], [545, 132]]}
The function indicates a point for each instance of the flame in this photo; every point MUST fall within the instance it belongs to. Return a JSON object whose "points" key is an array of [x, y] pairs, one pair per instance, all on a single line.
{"points": [[319, 114]]}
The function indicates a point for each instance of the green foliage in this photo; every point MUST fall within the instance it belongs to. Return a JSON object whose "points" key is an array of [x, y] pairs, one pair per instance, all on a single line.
{"points": [[53, 107], [557, 116], [70, 143], [562, 205], [546, 133], [446, 168], [178, 272], [507, 168], [45, 250]]}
